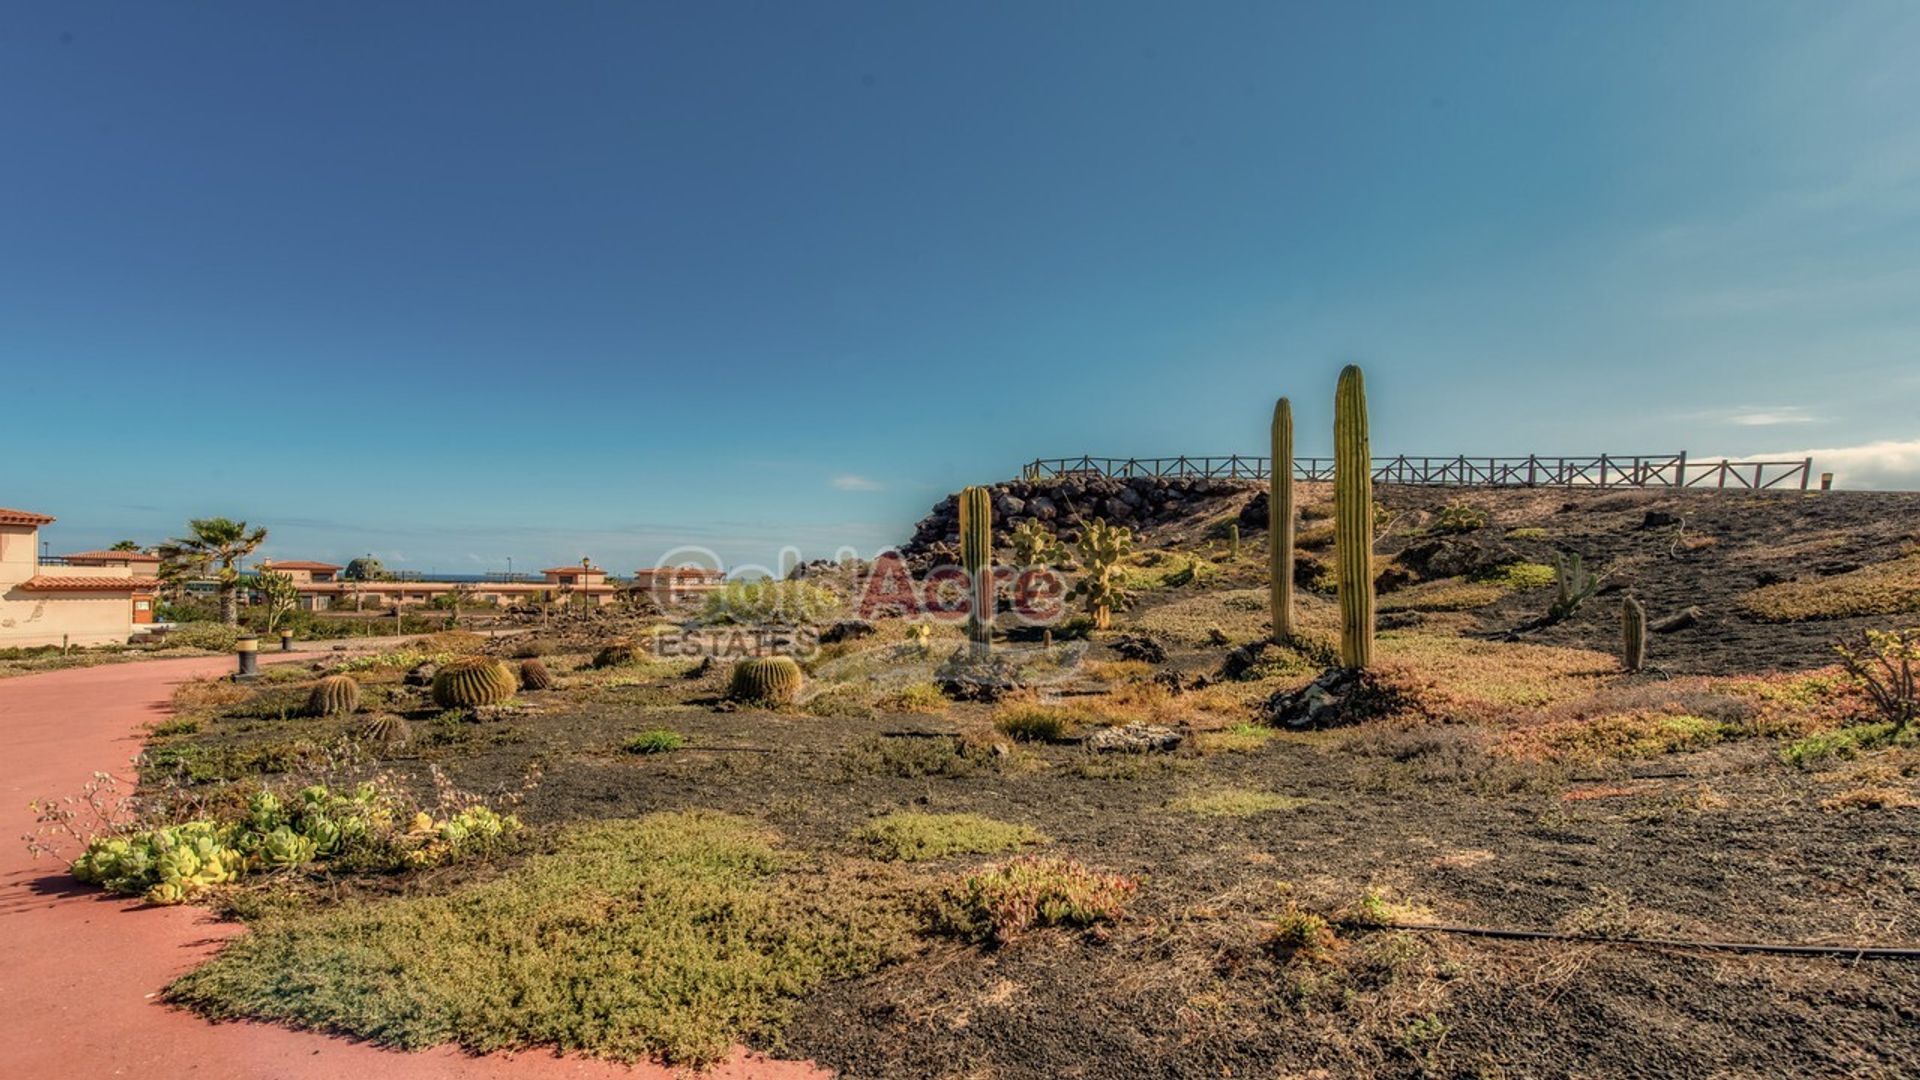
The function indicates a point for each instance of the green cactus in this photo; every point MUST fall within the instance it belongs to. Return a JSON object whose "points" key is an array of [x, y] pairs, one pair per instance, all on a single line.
{"points": [[1573, 584], [1033, 545], [1353, 518], [618, 654], [976, 555], [1233, 540], [1280, 523], [1633, 634], [1102, 550], [766, 680], [472, 681], [385, 729], [333, 696], [535, 676]]}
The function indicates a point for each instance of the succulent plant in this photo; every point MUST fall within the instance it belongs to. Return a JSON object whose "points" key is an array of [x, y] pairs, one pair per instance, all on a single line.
{"points": [[767, 680], [1633, 634], [285, 849], [1233, 540], [534, 675], [618, 654], [1101, 549], [1280, 522], [1353, 518], [472, 681], [976, 555], [386, 729], [1033, 545], [333, 696]]}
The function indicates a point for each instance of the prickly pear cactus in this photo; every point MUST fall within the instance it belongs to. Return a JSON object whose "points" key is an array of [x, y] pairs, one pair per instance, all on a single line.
{"points": [[766, 680], [333, 696], [472, 681], [534, 675], [1103, 549]]}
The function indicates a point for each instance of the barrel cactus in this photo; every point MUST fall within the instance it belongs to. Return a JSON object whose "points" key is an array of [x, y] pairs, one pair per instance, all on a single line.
{"points": [[1280, 523], [767, 680], [618, 654], [334, 695], [1353, 518], [385, 729], [534, 675], [472, 681], [1633, 634]]}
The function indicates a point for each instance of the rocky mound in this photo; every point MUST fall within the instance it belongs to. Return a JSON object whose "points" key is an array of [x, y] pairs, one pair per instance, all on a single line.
{"points": [[1146, 504]]}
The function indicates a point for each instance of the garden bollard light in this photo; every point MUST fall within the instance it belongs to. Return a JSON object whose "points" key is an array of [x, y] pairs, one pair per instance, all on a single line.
{"points": [[286, 640], [248, 648], [1826, 481]]}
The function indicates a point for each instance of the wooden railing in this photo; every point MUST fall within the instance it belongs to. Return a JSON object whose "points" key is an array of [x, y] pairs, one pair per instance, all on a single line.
{"points": [[1599, 470]]}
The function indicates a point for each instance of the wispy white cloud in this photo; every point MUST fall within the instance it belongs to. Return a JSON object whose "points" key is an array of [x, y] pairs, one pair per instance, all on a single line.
{"points": [[1756, 415], [855, 482], [1884, 465]]}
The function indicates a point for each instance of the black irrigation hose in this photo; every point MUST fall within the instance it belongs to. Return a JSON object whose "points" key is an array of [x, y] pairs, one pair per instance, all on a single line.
{"points": [[1858, 952]]}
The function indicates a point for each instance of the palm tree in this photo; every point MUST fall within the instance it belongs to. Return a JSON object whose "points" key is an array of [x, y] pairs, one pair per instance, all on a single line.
{"points": [[214, 541]]}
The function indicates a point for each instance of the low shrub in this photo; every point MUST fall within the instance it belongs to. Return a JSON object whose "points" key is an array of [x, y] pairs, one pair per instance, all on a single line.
{"points": [[656, 741], [212, 636], [1837, 745], [1527, 532], [1524, 575], [916, 698], [1449, 594], [915, 837], [1888, 588], [769, 602], [1034, 721], [999, 903], [1636, 734], [1238, 739]]}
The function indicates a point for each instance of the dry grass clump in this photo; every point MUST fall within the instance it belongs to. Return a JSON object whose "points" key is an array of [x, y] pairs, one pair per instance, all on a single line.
{"points": [[600, 947], [1446, 594], [197, 695], [999, 903], [1626, 735], [1238, 739], [915, 837], [1235, 802], [1030, 720], [1867, 798], [1466, 678], [1887, 588]]}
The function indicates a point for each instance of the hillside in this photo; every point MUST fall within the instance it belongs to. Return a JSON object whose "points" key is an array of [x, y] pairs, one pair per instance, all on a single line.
{"points": [[1774, 576]]}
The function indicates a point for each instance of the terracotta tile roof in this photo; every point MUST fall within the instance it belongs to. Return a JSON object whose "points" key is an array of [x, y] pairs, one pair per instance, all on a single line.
{"points": [[111, 556], [299, 564], [23, 517], [51, 583]]}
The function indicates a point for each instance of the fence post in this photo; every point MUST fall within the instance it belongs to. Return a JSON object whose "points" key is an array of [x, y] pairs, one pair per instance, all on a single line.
{"points": [[1603, 470], [1806, 475], [1680, 470]]}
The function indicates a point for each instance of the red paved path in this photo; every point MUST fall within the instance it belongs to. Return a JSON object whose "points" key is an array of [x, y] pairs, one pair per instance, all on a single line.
{"points": [[79, 972]]}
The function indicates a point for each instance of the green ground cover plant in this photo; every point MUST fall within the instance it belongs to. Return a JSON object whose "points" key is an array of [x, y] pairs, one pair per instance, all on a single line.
{"points": [[915, 837], [613, 945]]}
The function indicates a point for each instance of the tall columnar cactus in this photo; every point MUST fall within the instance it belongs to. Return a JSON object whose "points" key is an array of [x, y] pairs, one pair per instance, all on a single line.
{"points": [[334, 695], [976, 555], [1280, 522], [472, 681], [1633, 634], [766, 680], [1353, 518], [1233, 540]]}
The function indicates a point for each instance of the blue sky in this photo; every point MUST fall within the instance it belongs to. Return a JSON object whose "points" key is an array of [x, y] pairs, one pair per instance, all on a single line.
{"points": [[453, 282]]}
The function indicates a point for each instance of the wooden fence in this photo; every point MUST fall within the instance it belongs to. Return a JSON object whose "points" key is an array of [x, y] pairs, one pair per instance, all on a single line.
{"points": [[1600, 470]]}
